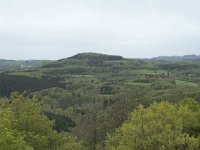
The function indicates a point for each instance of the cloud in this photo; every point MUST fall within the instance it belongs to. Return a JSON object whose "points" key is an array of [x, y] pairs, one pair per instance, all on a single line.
{"points": [[52, 29]]}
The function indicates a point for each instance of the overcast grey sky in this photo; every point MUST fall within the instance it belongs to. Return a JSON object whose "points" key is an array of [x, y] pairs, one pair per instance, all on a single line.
{"points": [[54, 29]]}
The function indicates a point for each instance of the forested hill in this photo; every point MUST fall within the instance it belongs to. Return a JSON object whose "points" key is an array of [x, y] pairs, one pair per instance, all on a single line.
{"points": [[8, 65], [108, 71], [99, 101], [103, 57]]}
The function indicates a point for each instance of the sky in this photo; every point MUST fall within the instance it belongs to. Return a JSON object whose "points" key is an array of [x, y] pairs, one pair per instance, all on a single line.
{"points": [[55, 29]]}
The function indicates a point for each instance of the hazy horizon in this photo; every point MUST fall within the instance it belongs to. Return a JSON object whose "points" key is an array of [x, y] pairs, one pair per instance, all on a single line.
{"points": [[106, 54], [52, 29]]}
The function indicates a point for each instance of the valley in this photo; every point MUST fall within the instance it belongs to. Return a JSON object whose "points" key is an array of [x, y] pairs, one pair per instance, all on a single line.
{"points": [[91, 95]]}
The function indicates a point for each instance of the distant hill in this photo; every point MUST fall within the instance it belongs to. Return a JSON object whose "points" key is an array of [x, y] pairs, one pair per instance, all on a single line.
{"points": [[93, 58], [8, 65], [87, 56], [91, 72], [178, 58]]}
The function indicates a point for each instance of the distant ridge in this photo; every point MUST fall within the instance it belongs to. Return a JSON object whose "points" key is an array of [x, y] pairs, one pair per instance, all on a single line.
{"points": [[192, 57], [8, 65]]}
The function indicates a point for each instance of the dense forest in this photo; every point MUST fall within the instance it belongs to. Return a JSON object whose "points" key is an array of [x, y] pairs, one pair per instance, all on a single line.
{"points": [[94, 101]]}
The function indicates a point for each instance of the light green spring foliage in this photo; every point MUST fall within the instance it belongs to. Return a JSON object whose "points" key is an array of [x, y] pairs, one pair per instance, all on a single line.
{"points": [[9, 137], [162, 126], [192, 122], [23, 127]]}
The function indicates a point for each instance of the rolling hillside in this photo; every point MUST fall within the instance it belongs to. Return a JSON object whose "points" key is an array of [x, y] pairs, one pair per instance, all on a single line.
{"points": [[91, 95]]}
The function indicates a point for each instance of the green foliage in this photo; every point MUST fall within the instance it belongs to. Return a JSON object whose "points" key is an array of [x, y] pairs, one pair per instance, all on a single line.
{"points": [[23, 126], [10, 138], [163, 84], [192, 126], [62, 122], [160, 126], [108, 89], [11, 83], [89, 95]]}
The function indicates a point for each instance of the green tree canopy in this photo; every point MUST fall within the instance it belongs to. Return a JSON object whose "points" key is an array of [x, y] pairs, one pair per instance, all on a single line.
{"points": [[23, 126], [160, 126]]}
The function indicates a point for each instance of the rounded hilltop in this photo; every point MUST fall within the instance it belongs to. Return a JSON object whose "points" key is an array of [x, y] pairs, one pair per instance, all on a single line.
{"points": [[91, 55]]}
